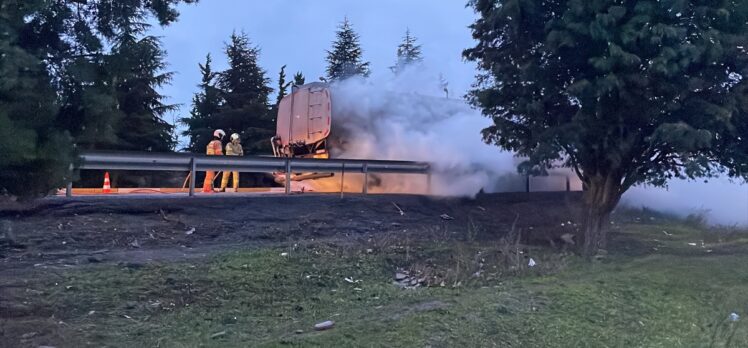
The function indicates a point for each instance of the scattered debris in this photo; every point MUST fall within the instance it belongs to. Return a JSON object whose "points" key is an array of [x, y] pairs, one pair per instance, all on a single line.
{"points": [[369, 251], [299, 332], [190, 231], [734, 317], [446, 217], [404, 280], [284, 254], [481, 208], [135, 243], [91, 312], [325, 325], [351, 280], [218, 334], [398, 209], [531, 263], [692, 244], [568, 238], [29, 335], [666, 233]]}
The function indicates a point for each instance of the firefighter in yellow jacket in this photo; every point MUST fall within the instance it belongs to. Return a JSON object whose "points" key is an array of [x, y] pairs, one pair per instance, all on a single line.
{"points": [[214, 149], [233, 148]]}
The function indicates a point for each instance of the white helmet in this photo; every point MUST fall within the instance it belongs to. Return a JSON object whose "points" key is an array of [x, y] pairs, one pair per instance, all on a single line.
{"points": [[219, 133], [234, 136]]}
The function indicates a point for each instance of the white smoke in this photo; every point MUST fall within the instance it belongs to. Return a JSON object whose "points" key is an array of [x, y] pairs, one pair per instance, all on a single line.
{"points": [[721, 201], [408, 117]]}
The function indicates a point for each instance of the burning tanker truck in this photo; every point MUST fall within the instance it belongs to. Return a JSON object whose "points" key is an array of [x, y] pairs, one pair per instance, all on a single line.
{"points": [[303, 128], [357, 120]]}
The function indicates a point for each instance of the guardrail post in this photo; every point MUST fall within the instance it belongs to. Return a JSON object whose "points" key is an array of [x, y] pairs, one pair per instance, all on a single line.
{"points": [[193, 173], [288, 175], [69, 189], [527, 183], [366, 178], [342, 179]]}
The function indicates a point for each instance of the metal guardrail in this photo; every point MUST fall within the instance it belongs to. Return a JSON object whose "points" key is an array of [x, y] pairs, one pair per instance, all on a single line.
{"points": [[106, 160]]}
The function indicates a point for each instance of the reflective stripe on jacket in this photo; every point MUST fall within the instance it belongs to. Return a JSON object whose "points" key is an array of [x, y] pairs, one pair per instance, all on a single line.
{"points": [[214, 148], [234, 149]]}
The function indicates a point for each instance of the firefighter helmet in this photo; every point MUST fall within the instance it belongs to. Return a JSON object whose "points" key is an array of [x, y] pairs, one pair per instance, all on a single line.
{"points": [[219, 133], [234, 136]]}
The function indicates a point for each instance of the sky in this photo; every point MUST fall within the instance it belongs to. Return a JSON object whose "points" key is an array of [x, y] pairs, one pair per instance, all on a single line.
{"points": [[297, 33]]}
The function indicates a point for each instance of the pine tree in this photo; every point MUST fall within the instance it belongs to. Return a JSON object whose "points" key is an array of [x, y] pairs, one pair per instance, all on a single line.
{"points": [[245, 90], [205, 105], [74, 40], [34, 155], [80, 37], [282, 85], [623, 92], [299, 79], [140, 63], [345, 60], [408, 52]]}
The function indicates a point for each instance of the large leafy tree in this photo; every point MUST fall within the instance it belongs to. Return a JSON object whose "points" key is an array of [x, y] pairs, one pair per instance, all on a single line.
{"points": [[346, 57], [205, 104], [408, 52], [623, 92], [245, 90]]}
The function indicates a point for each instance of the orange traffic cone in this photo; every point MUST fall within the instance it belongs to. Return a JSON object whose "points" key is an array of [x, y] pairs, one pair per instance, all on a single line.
{"points": [[107, 186]]}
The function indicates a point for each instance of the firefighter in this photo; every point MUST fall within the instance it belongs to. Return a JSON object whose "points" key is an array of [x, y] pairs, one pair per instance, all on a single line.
{"points": [[214, 149], [233, 148]]}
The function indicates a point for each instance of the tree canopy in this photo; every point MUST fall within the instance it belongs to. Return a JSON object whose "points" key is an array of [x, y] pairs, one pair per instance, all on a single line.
{"points": [[235, 100], [346, 60], [408, 52], [81, 67], [623, 92]]}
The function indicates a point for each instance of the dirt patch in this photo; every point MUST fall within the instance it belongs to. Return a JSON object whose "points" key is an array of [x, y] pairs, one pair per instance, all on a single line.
{"points": [[85, 230]]}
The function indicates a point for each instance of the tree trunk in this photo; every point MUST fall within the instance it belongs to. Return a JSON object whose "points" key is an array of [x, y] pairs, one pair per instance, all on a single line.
{"points": [[601, 197]]}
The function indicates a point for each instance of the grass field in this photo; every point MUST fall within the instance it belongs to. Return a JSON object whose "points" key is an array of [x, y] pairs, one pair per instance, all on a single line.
{"points": [[664, 283]]}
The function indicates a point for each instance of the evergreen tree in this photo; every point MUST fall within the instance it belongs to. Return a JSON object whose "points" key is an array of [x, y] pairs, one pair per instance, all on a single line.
{"points": [[624, 92], [245, 90], [34, 154], [299, 79], [408, 52], [346, 57], [205, 105], [140, 64], [282, 85], [80, 37], [73, 41]]}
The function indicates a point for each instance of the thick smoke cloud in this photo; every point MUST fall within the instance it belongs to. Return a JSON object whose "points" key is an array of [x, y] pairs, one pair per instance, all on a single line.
{"points": [[408, 117], [721, 201]]}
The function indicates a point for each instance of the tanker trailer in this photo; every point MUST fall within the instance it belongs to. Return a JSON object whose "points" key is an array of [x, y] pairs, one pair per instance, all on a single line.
{"points": [[303, 127]]}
